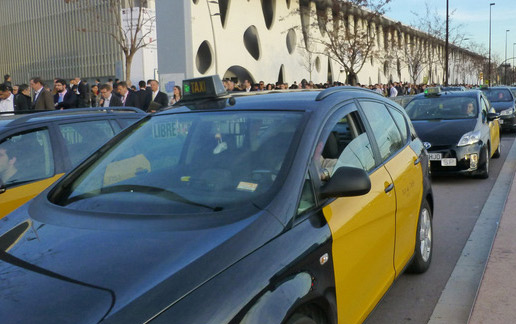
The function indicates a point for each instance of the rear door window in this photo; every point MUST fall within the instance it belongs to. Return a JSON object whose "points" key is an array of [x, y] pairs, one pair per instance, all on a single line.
{"points": [[26, 157], [83, 138], [385, 131]]}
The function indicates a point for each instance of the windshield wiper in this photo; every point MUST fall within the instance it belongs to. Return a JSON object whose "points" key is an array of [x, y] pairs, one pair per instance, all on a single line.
{"points": [[160, 192]]}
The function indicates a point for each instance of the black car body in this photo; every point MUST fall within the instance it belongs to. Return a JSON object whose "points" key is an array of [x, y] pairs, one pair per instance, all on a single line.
{"points": [[503, 101], [457, 141], [143, 253]]}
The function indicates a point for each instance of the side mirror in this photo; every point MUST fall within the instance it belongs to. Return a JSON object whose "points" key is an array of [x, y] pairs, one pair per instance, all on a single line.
{"points": [[347, 182], [492, 116]]}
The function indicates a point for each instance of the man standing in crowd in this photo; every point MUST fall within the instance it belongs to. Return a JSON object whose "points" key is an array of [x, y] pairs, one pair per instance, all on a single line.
{"points": [[159, 99], [42, 98], [22, 100], [6, 99], [392, 91], [108, 99], [82, 92], [128, 97], [7, 81], [247, 86], [144, 96], [64, 99]]}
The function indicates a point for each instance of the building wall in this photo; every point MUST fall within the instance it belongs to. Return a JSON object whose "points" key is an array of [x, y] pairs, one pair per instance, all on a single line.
{"points": [[49, 39], [242, 39]]}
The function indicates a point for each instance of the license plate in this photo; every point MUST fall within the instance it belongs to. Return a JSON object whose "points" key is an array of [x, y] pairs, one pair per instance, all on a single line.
{"points": [[500, 121], [449, 162], [435, 156]]}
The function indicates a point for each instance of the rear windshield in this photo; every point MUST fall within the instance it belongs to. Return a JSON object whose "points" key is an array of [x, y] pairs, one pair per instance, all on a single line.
{"points": [[428, 108], [498, 95], [188, 163]]}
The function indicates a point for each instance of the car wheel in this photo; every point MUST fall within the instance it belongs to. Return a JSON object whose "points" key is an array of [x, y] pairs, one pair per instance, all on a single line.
{"points": [[498, 151], [483, 172], [307, 315], [424, 241]]}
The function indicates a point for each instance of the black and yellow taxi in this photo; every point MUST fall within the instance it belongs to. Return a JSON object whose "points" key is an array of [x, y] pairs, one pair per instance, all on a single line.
{"points": [[287, 207], [503, 101], [460, 130], [37, 148]]}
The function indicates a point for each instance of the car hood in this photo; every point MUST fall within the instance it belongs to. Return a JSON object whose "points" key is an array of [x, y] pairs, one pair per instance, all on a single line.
{"points": [[55, 271], [502, 105], [443, 132]]}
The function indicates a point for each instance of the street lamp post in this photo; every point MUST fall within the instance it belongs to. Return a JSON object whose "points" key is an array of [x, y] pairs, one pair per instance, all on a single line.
{"points": [[513, 79], [489, 63], [505, 66], [446, 48]]}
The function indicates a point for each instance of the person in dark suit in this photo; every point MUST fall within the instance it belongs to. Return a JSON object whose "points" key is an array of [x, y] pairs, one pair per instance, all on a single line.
{"points": [[43, 99], [108, 98], [144, 96], [159, 99], [127, 96], [22, 100], [82, 91], [64, 98]]}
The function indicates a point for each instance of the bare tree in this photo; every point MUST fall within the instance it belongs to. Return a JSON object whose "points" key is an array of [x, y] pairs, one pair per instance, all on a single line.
{"points": [[127, 22], [411, 55], [348, 36], [434, 24]]}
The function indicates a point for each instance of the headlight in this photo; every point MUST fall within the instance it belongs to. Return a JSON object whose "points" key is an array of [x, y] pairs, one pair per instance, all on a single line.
{"points": [[506, 112], [469, 138]]}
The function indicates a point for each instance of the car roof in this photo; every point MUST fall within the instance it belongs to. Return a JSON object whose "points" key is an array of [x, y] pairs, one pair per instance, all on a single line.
{"points": [[294, 100], [14, 120]]}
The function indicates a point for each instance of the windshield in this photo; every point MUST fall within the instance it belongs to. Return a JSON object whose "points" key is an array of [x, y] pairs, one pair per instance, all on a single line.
{"points": [[498, 95], [442, 108], [188, 163]]}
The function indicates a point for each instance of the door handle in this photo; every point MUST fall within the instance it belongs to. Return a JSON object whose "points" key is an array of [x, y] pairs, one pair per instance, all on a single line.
{"points": [[389, 187], [417, 160]]}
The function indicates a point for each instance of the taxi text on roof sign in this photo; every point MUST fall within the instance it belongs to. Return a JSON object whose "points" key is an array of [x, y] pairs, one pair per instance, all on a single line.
{"points": [[205, 87]]}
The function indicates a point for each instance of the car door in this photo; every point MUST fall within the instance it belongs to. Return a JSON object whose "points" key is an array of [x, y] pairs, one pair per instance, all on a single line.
{"points": [[27, 167], [494, 126], [362, 227], [391, 133]]}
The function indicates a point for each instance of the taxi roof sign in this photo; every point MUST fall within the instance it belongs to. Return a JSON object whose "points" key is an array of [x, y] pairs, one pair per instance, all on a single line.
{"points": [[203, 88], [433, 91]]}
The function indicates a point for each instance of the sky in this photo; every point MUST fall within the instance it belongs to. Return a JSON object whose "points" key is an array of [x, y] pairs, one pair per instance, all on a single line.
{"points": [[473, 15]]}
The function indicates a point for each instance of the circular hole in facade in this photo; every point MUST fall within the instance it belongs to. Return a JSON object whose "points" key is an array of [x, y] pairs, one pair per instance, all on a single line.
{"points": [[204, 57], [268, 8], [291, 41], [195, 1], [252, 42], [318, 64]]}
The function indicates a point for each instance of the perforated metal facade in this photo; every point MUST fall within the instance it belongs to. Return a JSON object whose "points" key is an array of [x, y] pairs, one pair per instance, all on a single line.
{"points": [[45, 38]]}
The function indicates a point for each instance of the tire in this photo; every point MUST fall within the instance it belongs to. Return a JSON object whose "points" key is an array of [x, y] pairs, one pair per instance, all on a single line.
{"points": [[307, 315], [498, 151], [424, 241], [483, 172]]}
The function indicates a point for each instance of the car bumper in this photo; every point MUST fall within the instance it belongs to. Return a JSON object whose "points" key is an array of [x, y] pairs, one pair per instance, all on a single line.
{"points": [[467, 159], [507, 122]]}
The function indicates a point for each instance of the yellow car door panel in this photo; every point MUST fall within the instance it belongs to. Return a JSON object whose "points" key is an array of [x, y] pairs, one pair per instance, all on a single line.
{"points": [[363, 246], [407, 175], [14, 197]]}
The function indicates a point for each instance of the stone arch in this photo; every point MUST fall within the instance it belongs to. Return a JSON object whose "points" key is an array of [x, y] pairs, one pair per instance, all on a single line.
{"points": [[240, 73]]}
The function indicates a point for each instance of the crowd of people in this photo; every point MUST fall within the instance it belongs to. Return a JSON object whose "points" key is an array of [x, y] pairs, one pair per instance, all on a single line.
{"points": [[77, 93]]}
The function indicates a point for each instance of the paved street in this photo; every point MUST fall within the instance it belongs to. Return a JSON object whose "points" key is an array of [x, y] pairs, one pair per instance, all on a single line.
{"points": [[458, 203]]}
